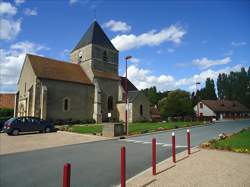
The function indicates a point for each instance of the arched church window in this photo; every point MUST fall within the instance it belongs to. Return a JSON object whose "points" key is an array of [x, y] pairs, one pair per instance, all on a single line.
{"points": [[66, 104], [141, 110], [104, 56], [110, 103]]}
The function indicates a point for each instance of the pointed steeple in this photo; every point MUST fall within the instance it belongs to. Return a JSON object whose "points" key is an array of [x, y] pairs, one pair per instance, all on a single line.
{"points": [[95, 35]]}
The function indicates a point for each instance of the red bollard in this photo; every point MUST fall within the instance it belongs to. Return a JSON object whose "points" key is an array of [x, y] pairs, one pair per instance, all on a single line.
{"points": [[188, 141], [173, 147], [66, 175], [154, 156], [123, 166]]}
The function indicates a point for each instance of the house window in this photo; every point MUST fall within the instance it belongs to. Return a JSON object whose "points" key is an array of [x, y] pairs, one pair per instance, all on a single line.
{"points": [[141, 110], [110, 103], [201, 114], [201, 105], [104, 56], [66, 104]]}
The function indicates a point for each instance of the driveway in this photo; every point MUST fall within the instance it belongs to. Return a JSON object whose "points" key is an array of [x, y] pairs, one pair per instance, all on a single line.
{"points": [[29, 142]]}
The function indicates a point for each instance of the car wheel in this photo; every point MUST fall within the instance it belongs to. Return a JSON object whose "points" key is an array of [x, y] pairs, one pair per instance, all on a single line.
{"points": [[15, 132], [47, 130]]}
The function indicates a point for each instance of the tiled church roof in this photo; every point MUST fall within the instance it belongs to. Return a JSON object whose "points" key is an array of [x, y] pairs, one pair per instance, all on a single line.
{"points": [[95, 35], [57, 70], [225, 106]]}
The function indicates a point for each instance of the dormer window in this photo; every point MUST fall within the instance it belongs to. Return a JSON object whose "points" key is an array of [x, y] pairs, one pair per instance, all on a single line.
{"points": [[104, 56]]}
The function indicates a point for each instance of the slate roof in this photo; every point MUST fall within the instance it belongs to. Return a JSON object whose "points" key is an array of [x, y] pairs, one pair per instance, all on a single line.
{"points": [[225, 106], [131, 87], [95, 35], [57, 70], [132, 95], [7, 100]]}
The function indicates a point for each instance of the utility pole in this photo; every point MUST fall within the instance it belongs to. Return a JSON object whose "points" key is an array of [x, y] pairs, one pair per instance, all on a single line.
{"points": [[126, 97]]}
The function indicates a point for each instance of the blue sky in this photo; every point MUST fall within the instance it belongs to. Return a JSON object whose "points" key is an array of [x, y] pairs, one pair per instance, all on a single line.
{"points": [[174, 43]]}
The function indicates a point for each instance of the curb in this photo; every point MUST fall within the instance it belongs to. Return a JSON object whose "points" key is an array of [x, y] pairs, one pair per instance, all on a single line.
{"points": [[167, 130]]}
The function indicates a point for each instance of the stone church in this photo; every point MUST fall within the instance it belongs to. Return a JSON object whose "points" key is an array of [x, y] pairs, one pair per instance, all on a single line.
{"points": [[88, 87]]}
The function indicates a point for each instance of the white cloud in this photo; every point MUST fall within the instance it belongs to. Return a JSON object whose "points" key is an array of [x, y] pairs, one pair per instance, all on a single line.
{"points": [[135, 60], [201, 77], [117, 26], [7, 9], [238, 44], [151, 38], [72, 1], [9, 28], [18, 2], [30, 12], [144, 78], [205, 63], [12, 61], [64, 55]]}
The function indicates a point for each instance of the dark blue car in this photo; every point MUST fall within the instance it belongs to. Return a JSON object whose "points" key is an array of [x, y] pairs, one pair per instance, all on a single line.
{"points": [[26, 124]]}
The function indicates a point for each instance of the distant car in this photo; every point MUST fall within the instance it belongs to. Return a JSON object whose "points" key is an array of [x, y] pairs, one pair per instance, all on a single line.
{"points": [[27, 124]]}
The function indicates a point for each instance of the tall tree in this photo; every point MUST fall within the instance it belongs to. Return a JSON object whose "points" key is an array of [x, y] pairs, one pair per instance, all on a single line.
{"points": [[178, 103]]}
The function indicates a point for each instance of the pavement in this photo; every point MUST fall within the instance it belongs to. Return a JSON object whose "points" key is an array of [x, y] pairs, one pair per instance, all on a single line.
{"points": [[35, 141], [202, 168], [98, 163]]}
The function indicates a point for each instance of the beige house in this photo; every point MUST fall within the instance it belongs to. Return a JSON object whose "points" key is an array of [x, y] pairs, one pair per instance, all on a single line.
{"points": [[221, 109], [88, 87]]}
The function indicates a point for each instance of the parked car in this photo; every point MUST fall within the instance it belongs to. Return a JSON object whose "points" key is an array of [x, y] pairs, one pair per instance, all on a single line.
{"points": [[14, 126]]}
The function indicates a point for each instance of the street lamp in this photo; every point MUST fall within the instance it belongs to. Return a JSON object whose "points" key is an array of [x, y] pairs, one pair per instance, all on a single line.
{"points": [[196, 85], [126, 95]]}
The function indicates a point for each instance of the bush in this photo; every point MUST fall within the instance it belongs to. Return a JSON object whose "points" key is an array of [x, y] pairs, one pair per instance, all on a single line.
{"points": [[6, 112], [72, 122]]}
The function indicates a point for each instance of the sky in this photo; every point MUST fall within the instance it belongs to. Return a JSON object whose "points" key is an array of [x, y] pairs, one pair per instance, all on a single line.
{"points": [[174, 44]]}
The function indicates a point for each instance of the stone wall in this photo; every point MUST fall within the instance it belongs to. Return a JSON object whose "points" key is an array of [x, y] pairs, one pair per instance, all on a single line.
{"points": [[138, 101], [108, 88], [25, 87], [81, 98]]}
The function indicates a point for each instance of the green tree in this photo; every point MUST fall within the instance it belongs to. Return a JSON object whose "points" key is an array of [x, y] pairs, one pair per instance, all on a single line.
{"points": [[178, 103], [153, 95]]}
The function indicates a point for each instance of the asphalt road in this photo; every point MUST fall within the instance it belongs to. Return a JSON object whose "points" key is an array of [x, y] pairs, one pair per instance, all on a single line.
{"points": [[98, 163]]}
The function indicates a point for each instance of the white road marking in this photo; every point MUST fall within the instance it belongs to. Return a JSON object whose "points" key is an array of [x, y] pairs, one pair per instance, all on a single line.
{"points": [[145, 142]]}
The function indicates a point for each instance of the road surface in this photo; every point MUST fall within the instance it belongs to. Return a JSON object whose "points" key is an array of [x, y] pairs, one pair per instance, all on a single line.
{"points": [[98, 163]]}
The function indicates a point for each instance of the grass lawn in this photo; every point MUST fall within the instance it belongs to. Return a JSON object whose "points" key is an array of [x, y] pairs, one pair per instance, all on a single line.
{"points": [[239, 142], [135, 128]]}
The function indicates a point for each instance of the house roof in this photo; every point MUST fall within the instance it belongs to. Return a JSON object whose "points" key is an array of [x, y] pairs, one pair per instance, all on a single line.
{"points": [[95, 35], [57, 70], [7, 100], [106, 75], [131, 87], [154, 112], [132, 95], [225, 106]]}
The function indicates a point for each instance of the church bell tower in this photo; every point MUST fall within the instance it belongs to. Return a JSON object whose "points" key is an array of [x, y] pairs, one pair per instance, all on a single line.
{"points": [[99, 59]]}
